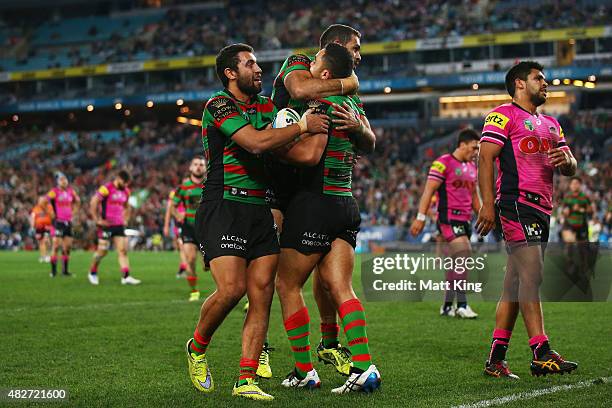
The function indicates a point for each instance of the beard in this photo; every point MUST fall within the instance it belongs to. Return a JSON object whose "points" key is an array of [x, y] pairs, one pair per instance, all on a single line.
{"points": [[537, 99], [247, 85], [198, 175]]}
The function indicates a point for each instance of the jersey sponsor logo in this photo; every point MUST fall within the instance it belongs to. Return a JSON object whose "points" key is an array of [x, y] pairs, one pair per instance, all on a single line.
{"points": [[458, 229], [458, 172], [533, 144], [438, 166], [533, 230], [552, 130], [463, 184], [221, 108], [561, 134], [317, 106], [528, 124], [497, 119]]}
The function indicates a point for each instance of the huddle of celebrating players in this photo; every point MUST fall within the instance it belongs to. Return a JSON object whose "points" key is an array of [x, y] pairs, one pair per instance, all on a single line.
{"points": [[295, 181]]}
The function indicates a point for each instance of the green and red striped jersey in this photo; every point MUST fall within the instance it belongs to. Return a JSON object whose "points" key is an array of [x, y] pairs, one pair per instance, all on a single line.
{"points": [[333, 174], [189, 194], [578, 216], [233, 173], [280, 95]]}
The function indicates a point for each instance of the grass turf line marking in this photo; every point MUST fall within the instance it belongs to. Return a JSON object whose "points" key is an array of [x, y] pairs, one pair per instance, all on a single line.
{"points": [[535, 393]]}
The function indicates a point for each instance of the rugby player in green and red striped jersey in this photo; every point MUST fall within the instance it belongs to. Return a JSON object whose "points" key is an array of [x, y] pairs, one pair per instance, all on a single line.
{"points": [[234, 225], [293, 86], [576, 211], [320, 228], [188, 194]]}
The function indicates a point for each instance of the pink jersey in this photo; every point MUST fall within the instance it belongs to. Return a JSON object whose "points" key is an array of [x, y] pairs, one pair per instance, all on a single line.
{"points": [[113, 202], [454, 195], [524, 173], [61, 201]]}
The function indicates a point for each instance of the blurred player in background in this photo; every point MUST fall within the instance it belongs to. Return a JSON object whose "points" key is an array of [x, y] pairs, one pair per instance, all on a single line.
{"points": [[320, 228], [293, 87], [110, 211], [452, 178], [576, 212], [41, 221], [188, 195], [527, 147], [176, 239], [234, 225], [64, 202]]}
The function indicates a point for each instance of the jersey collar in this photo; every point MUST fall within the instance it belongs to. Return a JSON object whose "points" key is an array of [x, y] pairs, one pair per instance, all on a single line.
{"points": [[251, 101], [525, 110]]}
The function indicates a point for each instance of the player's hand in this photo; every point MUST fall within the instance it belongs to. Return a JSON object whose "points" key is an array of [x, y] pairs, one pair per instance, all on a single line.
{"points": [[166, 231], [347, 118], [416, 227], [558, 157], [316, 123], [102, 223], [486, 219]]}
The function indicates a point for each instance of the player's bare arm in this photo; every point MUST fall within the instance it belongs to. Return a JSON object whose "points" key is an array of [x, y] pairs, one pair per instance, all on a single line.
{"points": [[180, 217], [475, 200], [167, 215], [431, 186], [302, 86], [348, 119], [486, 215], [93, 211], [259, 141], [305, 152]]}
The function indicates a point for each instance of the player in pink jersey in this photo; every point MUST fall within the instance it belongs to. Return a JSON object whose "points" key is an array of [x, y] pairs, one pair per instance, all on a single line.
{"points": [[110, 210], [177, 241], [526, 147], [452, 178], [64, 202]]}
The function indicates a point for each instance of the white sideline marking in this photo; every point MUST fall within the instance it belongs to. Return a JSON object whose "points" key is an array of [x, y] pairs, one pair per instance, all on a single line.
{"points": [[92, 306], [535, 393]]}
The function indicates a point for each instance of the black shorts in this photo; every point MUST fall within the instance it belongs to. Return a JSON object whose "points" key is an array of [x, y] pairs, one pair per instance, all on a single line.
{"points": [[454, 229], [313, 221], [231, 228], [40, 233], [582, 231], [522, 224], [62, 229], [107, 233], [284, 180], [187, 233]]}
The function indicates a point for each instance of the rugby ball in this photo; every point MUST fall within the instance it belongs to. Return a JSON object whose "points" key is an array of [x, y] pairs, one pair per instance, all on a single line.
{"points": [[285, 117]]}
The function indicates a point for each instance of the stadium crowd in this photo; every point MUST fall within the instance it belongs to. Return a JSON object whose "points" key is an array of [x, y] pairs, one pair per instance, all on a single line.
{"points": [[387, 184], [190, 32]]}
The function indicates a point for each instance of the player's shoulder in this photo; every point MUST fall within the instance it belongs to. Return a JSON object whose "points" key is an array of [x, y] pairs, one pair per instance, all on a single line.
{"points": [[105, 189], [51, 193], [444, 158], [297, 59], [264, 100], [504, 111], [218, 100]]}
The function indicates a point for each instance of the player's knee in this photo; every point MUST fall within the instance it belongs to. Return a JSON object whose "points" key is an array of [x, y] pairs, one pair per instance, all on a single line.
{"points": [[232, 293]]}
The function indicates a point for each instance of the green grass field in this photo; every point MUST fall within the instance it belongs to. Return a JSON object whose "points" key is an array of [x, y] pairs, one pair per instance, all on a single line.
{"points": [[123, 346]]}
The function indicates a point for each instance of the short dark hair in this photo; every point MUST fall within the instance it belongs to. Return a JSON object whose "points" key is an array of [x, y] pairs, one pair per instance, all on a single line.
{"points": [[520, 71], [198, 157], [338, 60], [340, 32], [466, 136], [124, 175], [228, 58]]}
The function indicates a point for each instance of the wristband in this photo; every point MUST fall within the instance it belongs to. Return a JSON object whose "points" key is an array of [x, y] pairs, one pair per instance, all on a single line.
{"points": [[421, 217], [303, 125]]}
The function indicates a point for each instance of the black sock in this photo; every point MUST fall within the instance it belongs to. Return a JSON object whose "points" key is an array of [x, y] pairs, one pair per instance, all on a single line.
{"points": [[448, 305], [461, 304], [540, 349], [355, 370]]}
